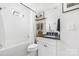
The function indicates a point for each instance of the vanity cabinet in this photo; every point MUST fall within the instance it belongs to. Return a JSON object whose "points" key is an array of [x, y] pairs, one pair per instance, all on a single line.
{"points": [[46, 47]]}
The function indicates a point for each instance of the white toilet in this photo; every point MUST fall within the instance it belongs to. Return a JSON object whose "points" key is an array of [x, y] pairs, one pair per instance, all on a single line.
{"points": [[32, 50]]}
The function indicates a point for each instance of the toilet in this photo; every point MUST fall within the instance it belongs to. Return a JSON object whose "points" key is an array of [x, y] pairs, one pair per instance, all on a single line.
{"points": [[32, 50]]}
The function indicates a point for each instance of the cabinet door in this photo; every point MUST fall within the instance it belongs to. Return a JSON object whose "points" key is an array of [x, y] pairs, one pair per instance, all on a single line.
{"points": [[45, 49]]}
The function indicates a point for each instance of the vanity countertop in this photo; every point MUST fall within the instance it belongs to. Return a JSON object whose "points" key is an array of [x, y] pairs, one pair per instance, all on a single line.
{"points": [[51, 38]]}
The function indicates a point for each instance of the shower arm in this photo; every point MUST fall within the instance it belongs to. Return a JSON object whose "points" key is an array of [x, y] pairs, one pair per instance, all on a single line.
{"points": [[28, 7]]}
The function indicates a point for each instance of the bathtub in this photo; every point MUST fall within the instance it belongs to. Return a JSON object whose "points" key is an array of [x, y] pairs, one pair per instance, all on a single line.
{"points": [[16, 50]]}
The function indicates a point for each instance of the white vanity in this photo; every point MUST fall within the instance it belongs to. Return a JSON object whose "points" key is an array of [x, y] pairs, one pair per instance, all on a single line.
{"points": [[46, 46]]}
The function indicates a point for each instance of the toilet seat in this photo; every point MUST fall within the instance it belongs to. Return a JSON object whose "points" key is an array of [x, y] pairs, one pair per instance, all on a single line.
{"points": [[32, 47]]}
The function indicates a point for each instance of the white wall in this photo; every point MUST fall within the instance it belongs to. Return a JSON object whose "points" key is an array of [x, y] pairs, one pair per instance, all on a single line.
{"points": [[52, 16], [16, 28], [71, 35], [51, 13], [69, 42]]}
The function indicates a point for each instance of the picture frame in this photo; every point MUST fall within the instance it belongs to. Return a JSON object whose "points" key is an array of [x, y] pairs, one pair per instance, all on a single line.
{"points": [[67, 7]]}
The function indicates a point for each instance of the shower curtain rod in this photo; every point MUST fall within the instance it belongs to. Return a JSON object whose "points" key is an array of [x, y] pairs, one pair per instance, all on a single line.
{"points": [[28, 7]]}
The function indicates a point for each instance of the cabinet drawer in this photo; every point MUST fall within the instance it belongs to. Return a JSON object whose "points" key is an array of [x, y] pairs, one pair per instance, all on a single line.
{"points": [[45, 49], [47, 42]]}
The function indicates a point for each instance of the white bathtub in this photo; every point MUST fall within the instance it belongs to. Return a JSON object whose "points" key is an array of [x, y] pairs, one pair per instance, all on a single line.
{"points": [[16, 50]]}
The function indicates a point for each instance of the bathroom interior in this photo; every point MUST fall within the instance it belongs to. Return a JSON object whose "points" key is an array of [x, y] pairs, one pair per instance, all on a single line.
{"points": [[39, 29]]}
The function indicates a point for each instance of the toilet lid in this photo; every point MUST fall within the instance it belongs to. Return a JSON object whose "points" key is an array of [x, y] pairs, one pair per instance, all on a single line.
{"points": [[32, 46]]}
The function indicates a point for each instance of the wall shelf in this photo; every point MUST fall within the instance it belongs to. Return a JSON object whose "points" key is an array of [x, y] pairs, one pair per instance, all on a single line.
{"points": [[41, 18]]}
